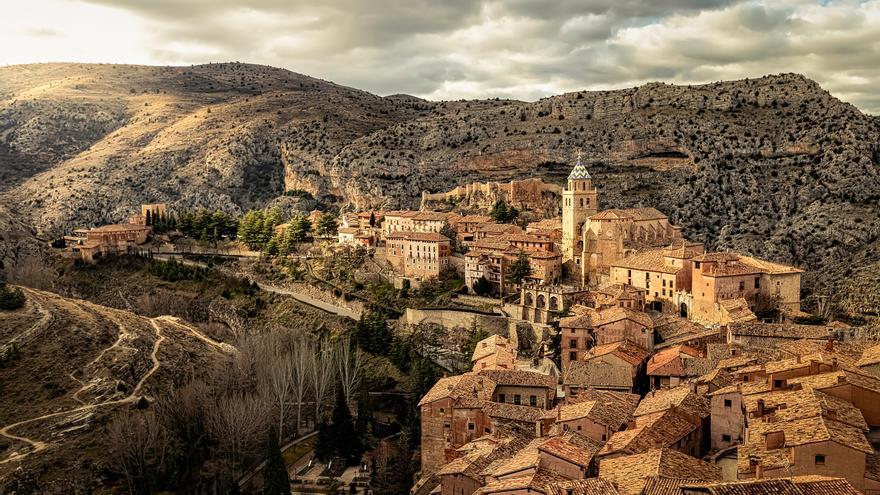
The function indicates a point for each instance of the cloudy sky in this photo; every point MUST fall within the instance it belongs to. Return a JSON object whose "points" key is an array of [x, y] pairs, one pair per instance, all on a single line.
{"points": [[442, 49]]}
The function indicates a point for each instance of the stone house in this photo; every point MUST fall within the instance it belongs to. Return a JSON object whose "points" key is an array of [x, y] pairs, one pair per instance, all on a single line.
{"points": [[806, 432], [687, 403], [89, 244], [466, 226], [596, 414], [451, 416], [631, 473], [672, 365], [418, 255], [598, 375], [345, 235], [661, 273], [757, 334], [466, 474], [494, 352], [589, 327], [666, 428], [570, 455], [869, 362], [521, 387], [625, 296], [718, 277], [492, 258]]}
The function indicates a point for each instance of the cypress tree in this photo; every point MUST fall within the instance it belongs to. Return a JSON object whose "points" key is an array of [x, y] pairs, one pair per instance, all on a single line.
{"points": [[275, 478]]}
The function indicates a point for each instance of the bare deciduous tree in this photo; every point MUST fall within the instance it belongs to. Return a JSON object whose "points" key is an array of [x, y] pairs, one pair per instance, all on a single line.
{"points": [[300, 359], [238, 423], [322, 367], [140, 446], [348, 365]]}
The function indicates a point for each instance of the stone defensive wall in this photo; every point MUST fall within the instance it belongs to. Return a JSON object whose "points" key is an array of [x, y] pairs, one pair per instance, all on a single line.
{"points": [[526, 191]]}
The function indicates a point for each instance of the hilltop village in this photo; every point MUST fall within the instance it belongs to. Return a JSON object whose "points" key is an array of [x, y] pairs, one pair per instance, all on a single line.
{"points": [[625, 359], [615, 356]]}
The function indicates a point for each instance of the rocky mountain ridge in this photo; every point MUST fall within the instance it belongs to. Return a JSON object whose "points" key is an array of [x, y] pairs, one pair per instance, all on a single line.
{"points": [[774, 166]]}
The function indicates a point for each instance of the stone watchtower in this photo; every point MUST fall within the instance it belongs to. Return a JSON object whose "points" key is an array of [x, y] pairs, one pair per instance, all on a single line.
{"points": [[579, 202]]}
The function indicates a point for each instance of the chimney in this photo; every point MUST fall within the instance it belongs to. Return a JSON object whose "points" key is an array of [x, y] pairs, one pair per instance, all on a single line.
{"points": [[829, 346], [833, 363], [759, 471], [760, 411]]}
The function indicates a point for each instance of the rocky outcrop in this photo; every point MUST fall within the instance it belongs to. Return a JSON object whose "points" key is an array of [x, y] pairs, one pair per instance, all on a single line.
{"points": [[527, 194], [775, 167]]}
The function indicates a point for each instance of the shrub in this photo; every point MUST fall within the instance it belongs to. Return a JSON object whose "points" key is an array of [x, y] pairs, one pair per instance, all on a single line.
{"points": [[11, 299]]}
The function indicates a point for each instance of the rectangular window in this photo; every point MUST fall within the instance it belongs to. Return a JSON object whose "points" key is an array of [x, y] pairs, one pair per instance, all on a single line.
{"points": [[697, 264], [742, 285], [725, 438], [470, 426], [820, 459], [533, 401], [501, 398], [777, 383], [572, 356], [728, 403], [517, 399], [573, 343], [757, 282]]}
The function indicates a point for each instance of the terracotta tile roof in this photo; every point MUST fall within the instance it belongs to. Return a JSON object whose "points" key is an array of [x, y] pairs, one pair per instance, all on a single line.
{"points": [[732, 264], [499, 228], [803, 417], [669, 361], [659, 429], [663, 485], [348, 230], [592, 486], [572, 447], [734, 362], [482, 452], [631, 472], [870, 356], [525, 458], [683, 249], [798, 485], [837, 379], [681, 397], [780, 330], [521, 378], [513, 412], [117, 227], [455, 219], [605, 407], [595, 374], [847, 352], [622, 291], [672, 326], [652, 261], [430, 216], [626, 350], [489, 345], [738, 310], [535, 482], [459, 387], [872, 466], [418, 236], [591, 318]]}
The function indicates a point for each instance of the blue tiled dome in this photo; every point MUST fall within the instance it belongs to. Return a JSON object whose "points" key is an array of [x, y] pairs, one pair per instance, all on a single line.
{"points": [[579, 171]]}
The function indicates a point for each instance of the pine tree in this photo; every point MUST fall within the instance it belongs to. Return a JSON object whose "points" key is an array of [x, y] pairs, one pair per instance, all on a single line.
{"points": [[520, 270], [326, 444], [149, 218], [275, 478], [482, 287], [327, 225], [372, 219], [11, 298], [346, 442], [364, 423]]}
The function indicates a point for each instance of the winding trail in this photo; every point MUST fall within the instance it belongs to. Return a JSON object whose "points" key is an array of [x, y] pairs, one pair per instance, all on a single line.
{"points": [[45, 320], [204, 338], [38, 445]]}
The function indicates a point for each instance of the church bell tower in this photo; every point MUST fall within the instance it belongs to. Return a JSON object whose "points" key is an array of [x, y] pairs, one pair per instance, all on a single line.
{"points": [[579, 202]]}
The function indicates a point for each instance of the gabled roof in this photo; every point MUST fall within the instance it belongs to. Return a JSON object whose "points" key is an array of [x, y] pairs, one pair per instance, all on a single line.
{"points": [[597, 374], [797, 485], [591, 318], [604, 407], [870, 356], [669, 361], [626, 350], [520, 378], [489, 345], [591, 486], [465, 386], [572, 447], [651, 261], [781, 330], [659, 429], [681, 397], [631, 472]]}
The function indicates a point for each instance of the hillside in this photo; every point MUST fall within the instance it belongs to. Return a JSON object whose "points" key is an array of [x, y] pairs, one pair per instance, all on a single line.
{"points": [[775, 166], [68, 366]]}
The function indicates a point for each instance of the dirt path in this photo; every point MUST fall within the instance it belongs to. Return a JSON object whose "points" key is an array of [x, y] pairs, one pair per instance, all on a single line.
{"points": [[44, 322], [38, 445], [175, 321]]}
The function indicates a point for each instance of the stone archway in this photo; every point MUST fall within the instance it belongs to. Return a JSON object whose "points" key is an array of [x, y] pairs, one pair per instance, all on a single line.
{"points": [[542, 302], [528, 301], [683, 310], [554, 303]]}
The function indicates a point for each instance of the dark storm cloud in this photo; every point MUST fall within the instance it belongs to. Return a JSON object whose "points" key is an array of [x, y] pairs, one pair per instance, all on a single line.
{"points": [[526, 49]]}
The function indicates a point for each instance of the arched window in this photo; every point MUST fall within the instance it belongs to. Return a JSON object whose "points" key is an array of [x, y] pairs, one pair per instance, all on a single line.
{"points": [[528, 300], [541, 301], [554, 303]]}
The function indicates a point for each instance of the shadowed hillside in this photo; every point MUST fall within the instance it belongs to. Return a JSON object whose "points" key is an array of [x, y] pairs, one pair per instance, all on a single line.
{"points": [[775, 166]]}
